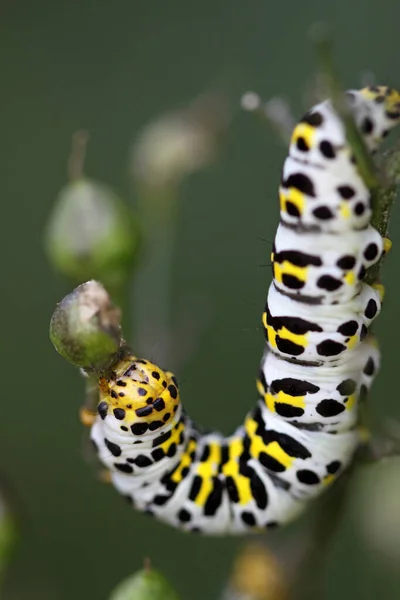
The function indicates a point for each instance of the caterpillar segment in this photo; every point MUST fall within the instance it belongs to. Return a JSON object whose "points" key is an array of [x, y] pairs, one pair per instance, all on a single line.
{"points": [[319, 360]]}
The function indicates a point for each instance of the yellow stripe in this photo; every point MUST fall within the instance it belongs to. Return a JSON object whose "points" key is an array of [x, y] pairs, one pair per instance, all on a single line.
{"points": [[271, 336], [206, 484], [186, 461], [270, 402], [294, 196], [206, 470], [292, 400], [286, 268], [301, 340], [350, 278], [284, 333], [305, 131], [344, 210], [351, 401], [232, 468], [235, 448], [245, 493], [264, 320], [260, 388], [215, 453], [352, 341], [283, 398], [273, 449]]}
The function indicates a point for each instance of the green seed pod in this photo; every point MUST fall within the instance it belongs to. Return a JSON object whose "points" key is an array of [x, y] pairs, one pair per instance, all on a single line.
{"points": [[91, 233], [85, 328], [144, 585]]}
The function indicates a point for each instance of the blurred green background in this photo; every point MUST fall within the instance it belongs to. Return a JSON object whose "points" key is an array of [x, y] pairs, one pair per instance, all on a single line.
{"points": [[110, 67]]}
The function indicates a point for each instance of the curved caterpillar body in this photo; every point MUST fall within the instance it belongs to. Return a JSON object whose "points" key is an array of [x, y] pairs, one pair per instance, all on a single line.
{"points": [[319, 357]]}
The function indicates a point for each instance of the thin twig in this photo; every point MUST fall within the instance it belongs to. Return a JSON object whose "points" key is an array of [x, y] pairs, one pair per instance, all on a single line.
{"points": [[76, 160]]}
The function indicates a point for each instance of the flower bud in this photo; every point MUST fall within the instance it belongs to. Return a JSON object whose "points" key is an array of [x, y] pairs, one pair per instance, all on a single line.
{"points": [[92, 234]]}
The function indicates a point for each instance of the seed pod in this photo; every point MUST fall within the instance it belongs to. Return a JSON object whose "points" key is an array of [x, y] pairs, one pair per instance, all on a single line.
{"points": [[91, 233], [85, 328]]}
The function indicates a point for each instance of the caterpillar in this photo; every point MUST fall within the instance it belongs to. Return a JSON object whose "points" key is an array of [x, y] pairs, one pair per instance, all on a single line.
{"points": [[319, 359]]}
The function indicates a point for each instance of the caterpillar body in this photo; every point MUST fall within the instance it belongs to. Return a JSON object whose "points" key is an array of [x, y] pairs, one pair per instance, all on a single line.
{"points": [[319, 357]]}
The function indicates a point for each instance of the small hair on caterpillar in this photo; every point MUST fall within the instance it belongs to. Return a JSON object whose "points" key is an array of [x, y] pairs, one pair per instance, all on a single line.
{"points": [[318, 363]]}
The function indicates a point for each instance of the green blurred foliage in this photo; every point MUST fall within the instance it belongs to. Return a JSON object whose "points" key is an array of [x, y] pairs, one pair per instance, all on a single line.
{"points": [[110, 68]]}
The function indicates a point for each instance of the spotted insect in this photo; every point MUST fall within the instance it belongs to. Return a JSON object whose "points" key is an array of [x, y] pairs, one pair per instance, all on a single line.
{"points": [[319, 359]]}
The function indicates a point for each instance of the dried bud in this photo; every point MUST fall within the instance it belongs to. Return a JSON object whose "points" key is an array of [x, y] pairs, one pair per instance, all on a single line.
{"points": [[85, 327], [144, 585], [179, 143]]}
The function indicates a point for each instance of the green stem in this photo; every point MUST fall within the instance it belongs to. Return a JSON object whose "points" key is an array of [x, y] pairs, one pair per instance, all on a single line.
{"points": [[385, 196]]}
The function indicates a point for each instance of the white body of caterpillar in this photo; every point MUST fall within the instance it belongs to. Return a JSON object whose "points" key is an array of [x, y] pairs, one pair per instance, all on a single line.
{"points": [[319, 357]]}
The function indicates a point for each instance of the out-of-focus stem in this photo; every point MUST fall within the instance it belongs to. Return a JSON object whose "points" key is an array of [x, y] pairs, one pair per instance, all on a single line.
{"points": [[332, 83], [154, 281], [76, 160]]}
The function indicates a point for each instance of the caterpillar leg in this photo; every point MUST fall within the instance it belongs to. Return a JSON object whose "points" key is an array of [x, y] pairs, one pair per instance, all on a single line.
{"points": [[104, 475], [87, 417], [387, 245]]}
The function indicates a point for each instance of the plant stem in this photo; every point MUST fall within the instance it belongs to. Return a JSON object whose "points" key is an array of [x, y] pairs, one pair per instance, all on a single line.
{"points": [[154, 282], [76, 160], [385, 196]]}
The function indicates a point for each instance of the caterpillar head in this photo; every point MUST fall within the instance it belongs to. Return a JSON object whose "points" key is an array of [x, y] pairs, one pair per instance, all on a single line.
{"points": [[140, 396]]}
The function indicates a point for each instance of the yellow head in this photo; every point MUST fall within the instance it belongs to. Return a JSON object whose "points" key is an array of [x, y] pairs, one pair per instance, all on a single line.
{"points": [[140, 395]]}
